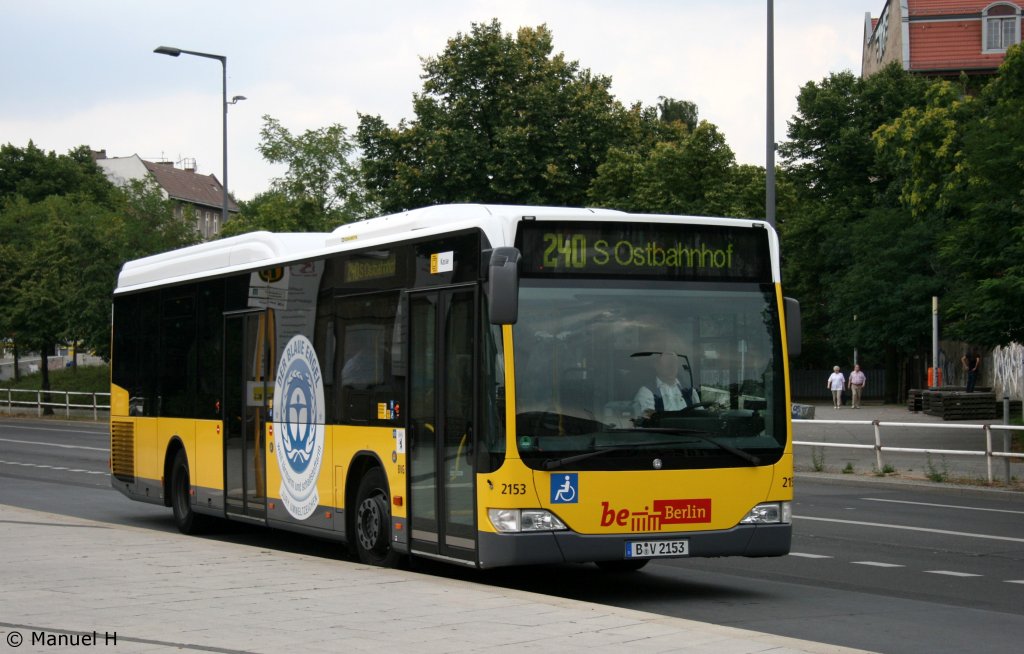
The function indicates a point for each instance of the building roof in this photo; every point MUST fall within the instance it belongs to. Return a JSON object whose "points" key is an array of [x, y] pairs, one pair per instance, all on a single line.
{"points": [[189, 186], [938, 36], [946, 35]]}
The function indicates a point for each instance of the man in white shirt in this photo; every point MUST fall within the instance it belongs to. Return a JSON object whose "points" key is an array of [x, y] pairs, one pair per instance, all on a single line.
{"points": [[666, 393]]}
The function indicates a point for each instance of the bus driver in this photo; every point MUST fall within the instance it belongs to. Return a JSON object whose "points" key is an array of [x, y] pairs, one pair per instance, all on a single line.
{"points": [[666, 393]]}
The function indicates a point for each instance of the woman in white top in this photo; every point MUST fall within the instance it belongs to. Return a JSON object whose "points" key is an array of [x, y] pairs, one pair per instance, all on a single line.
{"points": [[835, 383]]}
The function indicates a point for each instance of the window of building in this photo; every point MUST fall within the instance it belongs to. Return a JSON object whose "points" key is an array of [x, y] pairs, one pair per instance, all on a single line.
{"points": [[1000, 27]]}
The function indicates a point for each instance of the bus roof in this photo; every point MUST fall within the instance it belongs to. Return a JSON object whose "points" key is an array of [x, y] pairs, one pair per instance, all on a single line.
{"points": [[266, 249]]}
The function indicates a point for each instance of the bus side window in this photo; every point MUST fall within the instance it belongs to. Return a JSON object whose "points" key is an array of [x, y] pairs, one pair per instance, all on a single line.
{"points": [[370, 392]]}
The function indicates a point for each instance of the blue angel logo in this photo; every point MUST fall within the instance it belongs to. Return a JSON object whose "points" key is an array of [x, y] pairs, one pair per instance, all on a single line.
{"points": [[299, 425], [300, 407]]}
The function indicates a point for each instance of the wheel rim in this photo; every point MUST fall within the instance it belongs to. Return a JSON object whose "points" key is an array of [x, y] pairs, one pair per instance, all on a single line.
{"points": [[370, 522]]}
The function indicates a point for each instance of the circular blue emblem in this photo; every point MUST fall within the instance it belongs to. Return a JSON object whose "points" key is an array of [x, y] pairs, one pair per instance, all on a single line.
{"points": [[299, 425]]}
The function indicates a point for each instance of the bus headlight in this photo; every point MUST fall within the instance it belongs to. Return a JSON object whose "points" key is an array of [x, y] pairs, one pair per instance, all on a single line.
{"points": [[769, 513], [511, 521]]}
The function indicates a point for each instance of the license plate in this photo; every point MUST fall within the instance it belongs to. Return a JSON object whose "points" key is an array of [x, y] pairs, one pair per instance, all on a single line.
{"points": [[648, 549]]}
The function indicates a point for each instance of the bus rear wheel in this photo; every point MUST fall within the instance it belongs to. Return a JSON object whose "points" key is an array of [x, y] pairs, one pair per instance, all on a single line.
{"points": [[373, 521], [187, 520]]}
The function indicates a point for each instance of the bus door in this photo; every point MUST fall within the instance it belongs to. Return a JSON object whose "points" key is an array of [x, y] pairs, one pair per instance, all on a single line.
{"points": [[440, 433], [247, 368]]}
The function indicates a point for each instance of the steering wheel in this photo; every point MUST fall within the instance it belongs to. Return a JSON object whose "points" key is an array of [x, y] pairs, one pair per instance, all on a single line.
{"points": [[698, 405]]}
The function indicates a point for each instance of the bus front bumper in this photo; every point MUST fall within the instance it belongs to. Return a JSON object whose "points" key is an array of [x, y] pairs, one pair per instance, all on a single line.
{"points": [[497, 550]]}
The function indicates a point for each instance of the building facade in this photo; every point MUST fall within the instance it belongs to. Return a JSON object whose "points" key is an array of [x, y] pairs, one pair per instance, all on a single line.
{"points": [[198, 198], [941, 38]]}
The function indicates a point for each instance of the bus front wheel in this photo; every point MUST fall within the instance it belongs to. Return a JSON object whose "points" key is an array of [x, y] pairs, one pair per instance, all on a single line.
{"points": [[373, 521], [187, 521]]}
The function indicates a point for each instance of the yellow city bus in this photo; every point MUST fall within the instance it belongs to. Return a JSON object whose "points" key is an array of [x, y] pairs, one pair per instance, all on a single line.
{"points": [[483, 385]]}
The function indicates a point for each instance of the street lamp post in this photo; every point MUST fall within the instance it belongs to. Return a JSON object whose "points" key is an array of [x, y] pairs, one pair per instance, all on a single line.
{"points": [[174, 52]]}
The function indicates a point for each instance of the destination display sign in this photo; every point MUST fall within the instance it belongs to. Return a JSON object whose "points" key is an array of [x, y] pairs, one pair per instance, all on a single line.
{"points": [[653, 250]]}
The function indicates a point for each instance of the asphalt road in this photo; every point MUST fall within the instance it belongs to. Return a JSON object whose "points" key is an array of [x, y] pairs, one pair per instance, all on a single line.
{"points": [[890, 567]]}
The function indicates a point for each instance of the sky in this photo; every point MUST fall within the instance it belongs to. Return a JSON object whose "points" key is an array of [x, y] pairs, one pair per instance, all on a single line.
{"points": [[83, 72]]}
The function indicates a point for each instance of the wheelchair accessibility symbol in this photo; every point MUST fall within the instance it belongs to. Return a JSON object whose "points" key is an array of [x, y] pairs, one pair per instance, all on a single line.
{"points": [[565, 488]]}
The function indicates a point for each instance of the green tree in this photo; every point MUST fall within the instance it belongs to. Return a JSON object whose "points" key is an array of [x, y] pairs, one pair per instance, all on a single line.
{"points": [[144, 222], [845, 192], [983, 253], [322, 175], [672, 110], [500, 119], [275, 211], [35, 175], [746, 189], [960, 161], [63, 245], [677, 171]]}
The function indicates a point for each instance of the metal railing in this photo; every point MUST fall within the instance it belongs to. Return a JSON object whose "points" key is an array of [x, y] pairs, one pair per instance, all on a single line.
{"points": [[36, 399], [989, 454]]}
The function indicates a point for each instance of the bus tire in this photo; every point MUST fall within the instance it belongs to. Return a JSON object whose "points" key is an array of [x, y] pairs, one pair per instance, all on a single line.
{"points": [[373, 520], [187, 520], [623, 565]]}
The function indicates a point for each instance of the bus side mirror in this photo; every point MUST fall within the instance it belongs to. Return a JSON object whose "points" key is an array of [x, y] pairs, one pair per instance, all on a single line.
{"points": [[503, 286], [793, 334]]}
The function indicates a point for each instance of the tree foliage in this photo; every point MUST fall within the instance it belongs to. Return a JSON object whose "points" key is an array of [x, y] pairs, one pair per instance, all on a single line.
{"points": [[908, 188], [65, 233], [500, 119], [319, 190], [847, 232], [959, 163]]}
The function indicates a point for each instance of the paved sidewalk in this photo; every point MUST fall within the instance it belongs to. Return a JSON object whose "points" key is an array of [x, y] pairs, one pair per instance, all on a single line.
{"points": [[63, 578]]}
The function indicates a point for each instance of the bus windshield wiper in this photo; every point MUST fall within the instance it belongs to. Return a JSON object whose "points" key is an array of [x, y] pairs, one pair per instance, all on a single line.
{"points": [[735, 451], [552, 464]]}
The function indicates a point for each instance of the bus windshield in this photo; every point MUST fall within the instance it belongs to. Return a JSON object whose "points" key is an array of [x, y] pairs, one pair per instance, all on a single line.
{"points": [[623, 375]]}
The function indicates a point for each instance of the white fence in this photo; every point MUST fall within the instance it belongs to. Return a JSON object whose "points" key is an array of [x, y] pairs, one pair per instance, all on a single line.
{"points": [[72, 400], [990, 454]]}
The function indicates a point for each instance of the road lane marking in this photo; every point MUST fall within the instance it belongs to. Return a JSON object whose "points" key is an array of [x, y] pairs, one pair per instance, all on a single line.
{"points": [[69, 447], [942, 506], [950, 573], [1015, 581], [61, 468], [908, 528], [809, 556], [99, 430], [878, 564]]}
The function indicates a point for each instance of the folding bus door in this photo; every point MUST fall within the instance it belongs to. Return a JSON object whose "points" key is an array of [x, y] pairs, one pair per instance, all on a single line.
{"points": [[246, 384], [442, 406]]}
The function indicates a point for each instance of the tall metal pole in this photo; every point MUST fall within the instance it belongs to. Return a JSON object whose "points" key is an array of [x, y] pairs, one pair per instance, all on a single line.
{"points": [[174, 52], [769, 166], [935, 341], [224, 151]]}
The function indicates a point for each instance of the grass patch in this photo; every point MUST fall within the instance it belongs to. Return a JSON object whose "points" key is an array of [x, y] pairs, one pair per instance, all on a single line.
{"points": [[84, 379], [937, 474], [818, 459]]}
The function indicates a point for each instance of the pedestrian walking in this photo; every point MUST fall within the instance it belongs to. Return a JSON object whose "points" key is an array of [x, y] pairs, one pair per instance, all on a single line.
{"points": [[836, 382], [857, 381]]}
